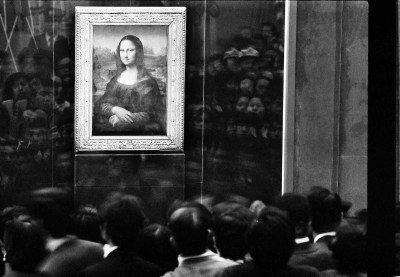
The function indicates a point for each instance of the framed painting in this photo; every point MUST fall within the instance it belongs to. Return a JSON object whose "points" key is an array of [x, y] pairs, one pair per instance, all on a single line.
{"points": [[129, 78]]}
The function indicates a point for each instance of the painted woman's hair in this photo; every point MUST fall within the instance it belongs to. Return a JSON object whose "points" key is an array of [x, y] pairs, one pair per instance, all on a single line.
{"points": [[139, 58]]}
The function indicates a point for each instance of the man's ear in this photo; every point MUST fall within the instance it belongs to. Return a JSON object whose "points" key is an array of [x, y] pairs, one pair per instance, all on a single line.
{"points": [[103, 232]]}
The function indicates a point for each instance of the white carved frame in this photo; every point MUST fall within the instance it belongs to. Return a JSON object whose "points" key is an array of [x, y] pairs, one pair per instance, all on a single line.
{"points": [[175, 19]]}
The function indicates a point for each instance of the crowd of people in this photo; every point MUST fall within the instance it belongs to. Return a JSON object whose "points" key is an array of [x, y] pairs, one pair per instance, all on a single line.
{"points": [[37, 113], [234, 109], [297, 235]]}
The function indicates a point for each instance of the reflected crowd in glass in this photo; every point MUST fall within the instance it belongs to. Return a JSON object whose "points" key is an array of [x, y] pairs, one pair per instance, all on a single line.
{"points": [[233, 109]]}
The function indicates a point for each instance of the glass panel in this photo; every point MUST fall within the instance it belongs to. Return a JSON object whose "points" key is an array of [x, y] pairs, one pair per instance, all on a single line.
{"points": [[238, 108]]}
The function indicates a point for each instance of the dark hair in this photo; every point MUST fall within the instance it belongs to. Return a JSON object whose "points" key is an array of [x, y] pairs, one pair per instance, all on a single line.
{"points": [[189, 225], [154, 246], [24, 245], [326, 209], [10, 81], [86, 223], [122, 217], [274, 30], [296, 206], [25, 53], [271, 239], [139, 57], [215, 57], [231, 221], [349, 248], [54, 206]]}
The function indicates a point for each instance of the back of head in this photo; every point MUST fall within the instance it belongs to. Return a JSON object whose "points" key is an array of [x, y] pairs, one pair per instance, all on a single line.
{"points": [[53, 206], [24, 245], [190, 225], [297, 208], [231, 221], [271, 239], [154, 246], [86, 223], [326, 210], [122, 217], [349, 249]]}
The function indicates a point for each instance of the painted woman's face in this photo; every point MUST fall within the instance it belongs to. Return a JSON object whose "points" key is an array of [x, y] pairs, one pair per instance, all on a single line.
{"points": [[127, 52]]}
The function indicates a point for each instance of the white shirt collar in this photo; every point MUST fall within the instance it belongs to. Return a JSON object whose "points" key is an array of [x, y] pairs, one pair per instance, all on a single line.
{"points": [[108, 249], [181, 258], [302, 240], [317, 237]]}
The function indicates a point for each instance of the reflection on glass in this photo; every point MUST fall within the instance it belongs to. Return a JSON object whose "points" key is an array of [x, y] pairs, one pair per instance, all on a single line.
{"points": [[234, 101]]}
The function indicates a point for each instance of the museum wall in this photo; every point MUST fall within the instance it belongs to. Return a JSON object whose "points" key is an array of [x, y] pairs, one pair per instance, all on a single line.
{"points": [[331, 98]]}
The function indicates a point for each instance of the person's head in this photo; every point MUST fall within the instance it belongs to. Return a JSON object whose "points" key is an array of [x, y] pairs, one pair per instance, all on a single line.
{"points": [[326, 210], [154, 246], [44, 63], [214, 65], [43, 98], [190, 225], [52, 207], [130, 52], [64, 163], [35, 130], [246, 32], [262, 85], [268, 30], [231, 221], [16, 87], [86, 223], [24, 245], [271, 239], [119, 166], [121, 218], [242, 104], [298, 210], [349, 249], [26, 60], [52, 19], [249, 60], [246, 85], [65, 67], [231, 60], [256, 106]]}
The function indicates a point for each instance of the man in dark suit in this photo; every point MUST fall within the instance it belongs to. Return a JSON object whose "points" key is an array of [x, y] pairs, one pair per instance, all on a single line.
{"points": [[68, 255], [306, 253], [51, 40], [191, 226], [271, 242], [122, 219]]}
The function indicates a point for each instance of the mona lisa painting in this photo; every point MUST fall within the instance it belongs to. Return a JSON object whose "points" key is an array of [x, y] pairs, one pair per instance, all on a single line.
{"points": [[129, 78]]}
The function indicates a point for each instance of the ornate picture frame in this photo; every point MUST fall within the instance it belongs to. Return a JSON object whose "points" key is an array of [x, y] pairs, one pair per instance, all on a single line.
{"points": [[115, 109]]}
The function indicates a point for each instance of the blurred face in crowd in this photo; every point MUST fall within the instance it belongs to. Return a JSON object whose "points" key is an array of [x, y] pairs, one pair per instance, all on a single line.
{"points": [[37, 136], [262, 87], [249, 64], [247, 86], [35, 85], [256, 106], [118, 166], [267, 31], [65, 67], [44, 100], [232, 64], [7, 154], [20, 89], [246, 33], [65, 165], [242, 103], [232, 85], [215, 67], [28, 65]]}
